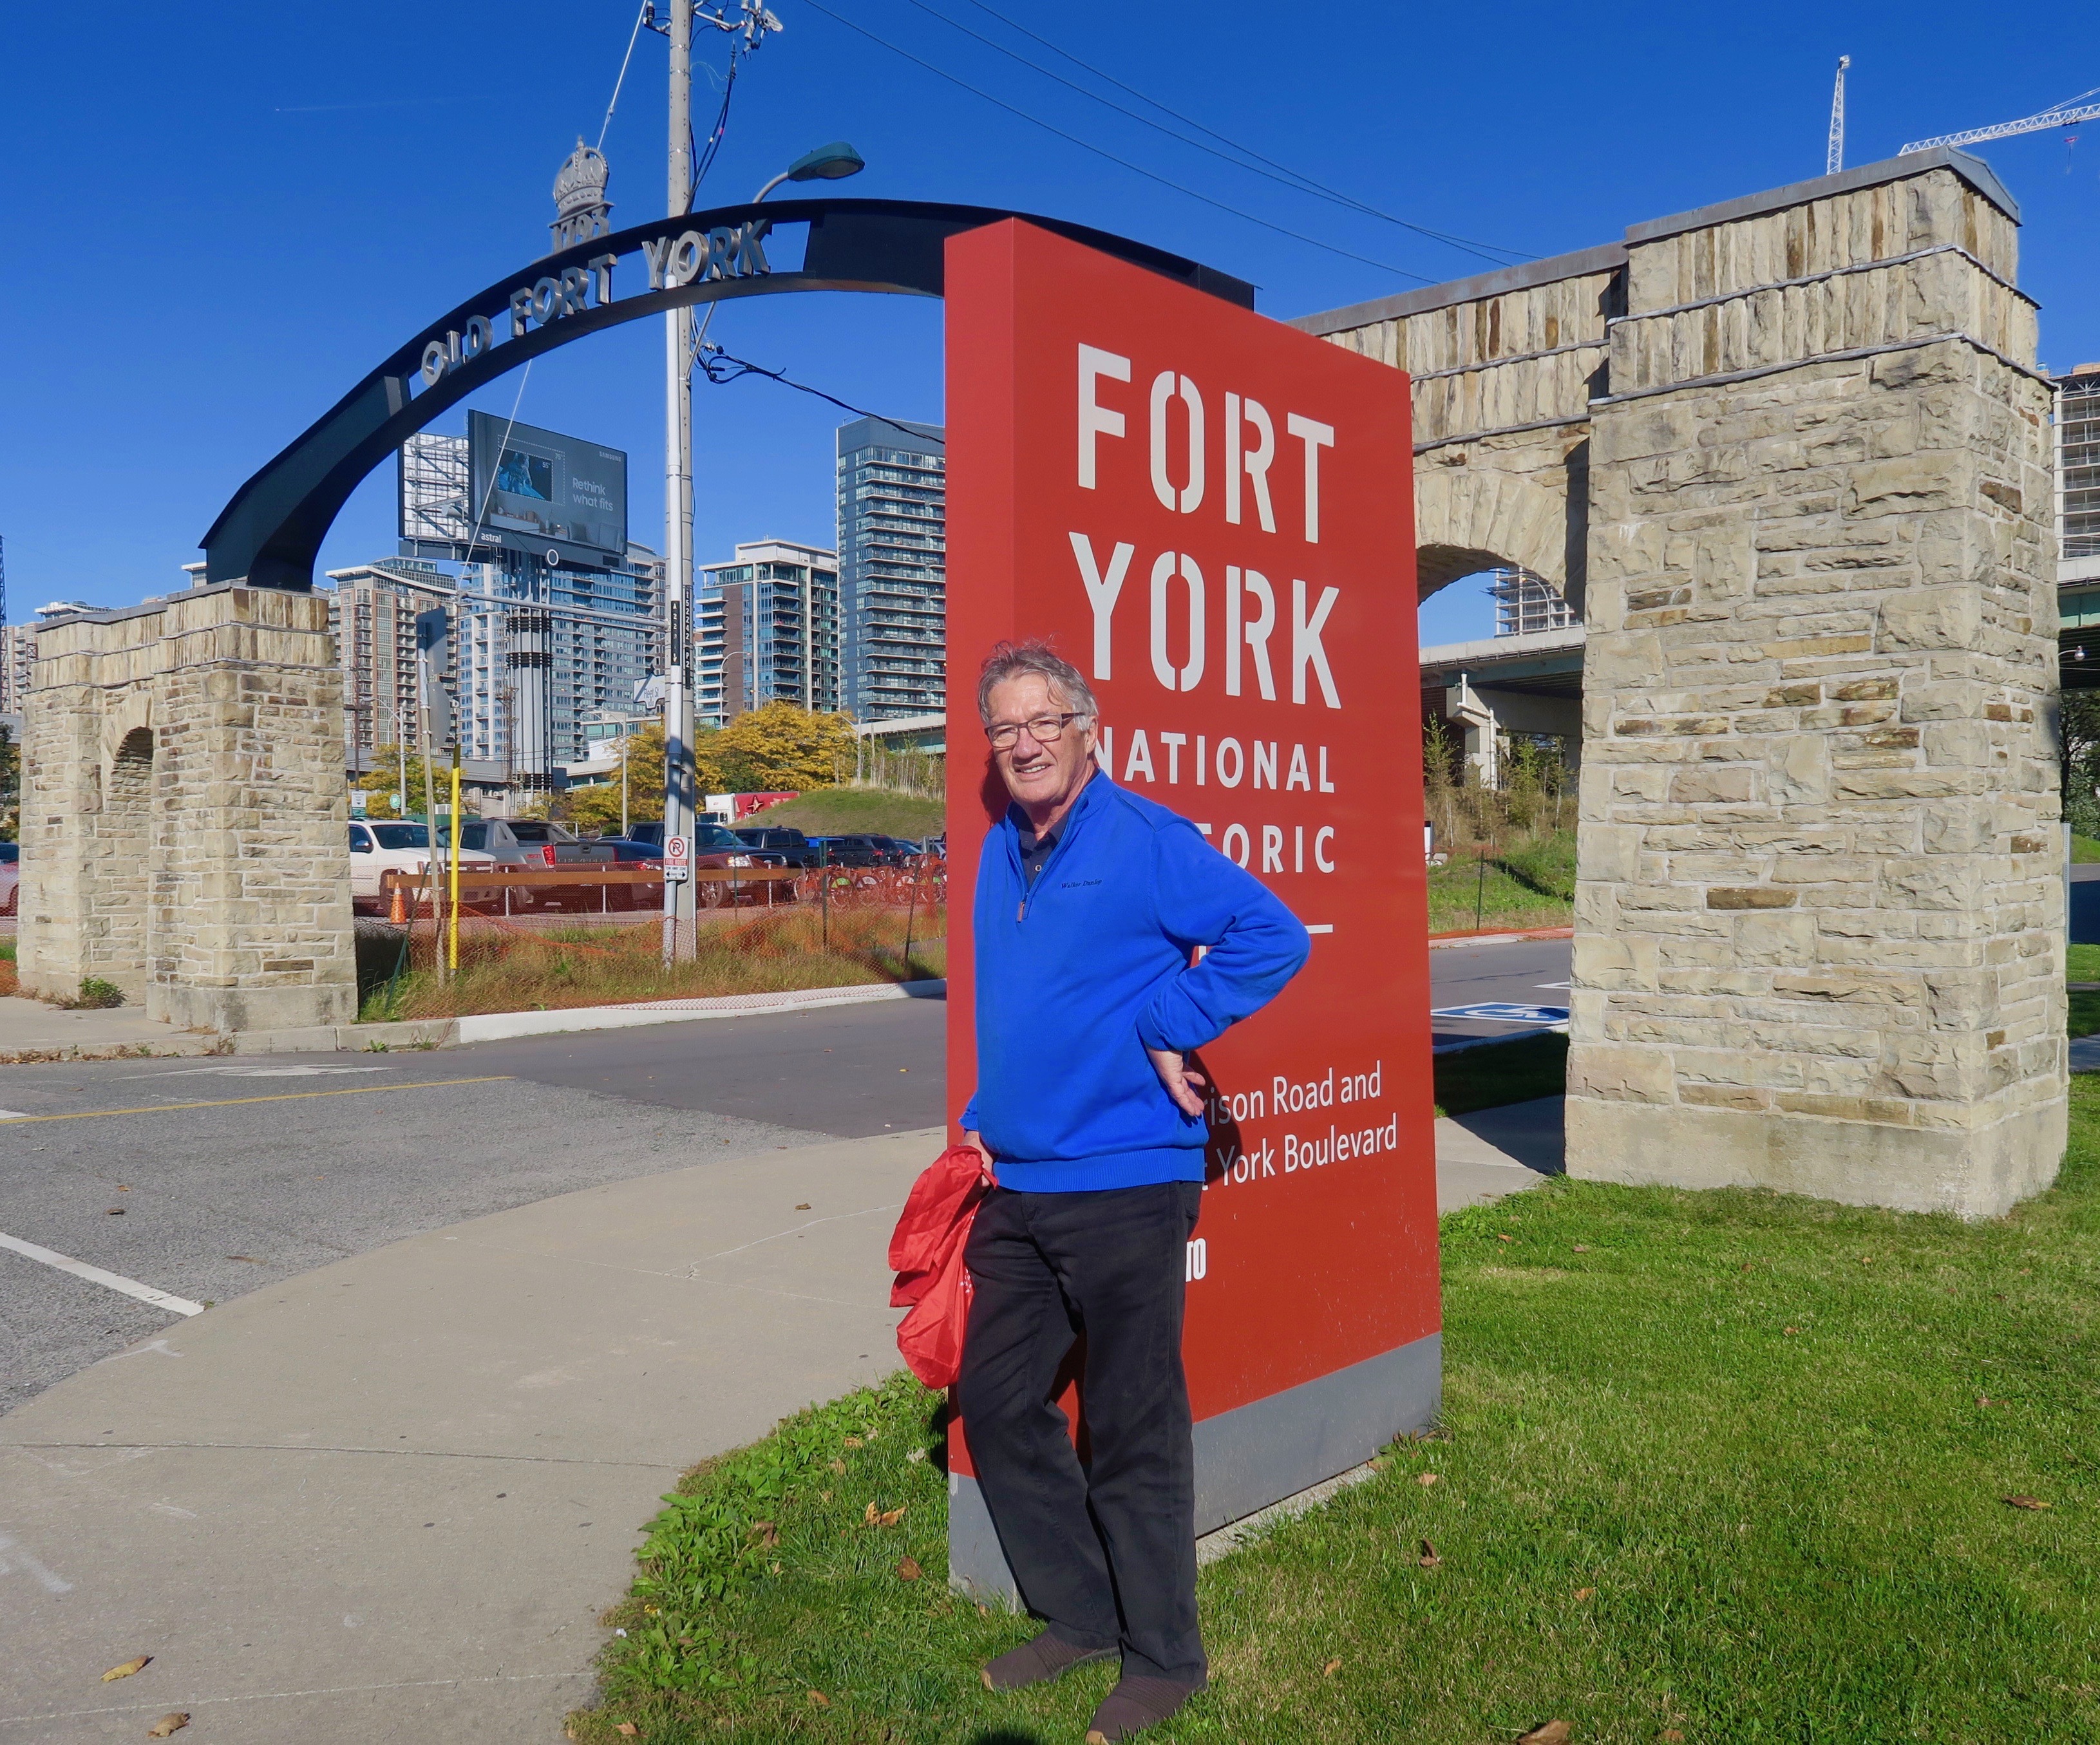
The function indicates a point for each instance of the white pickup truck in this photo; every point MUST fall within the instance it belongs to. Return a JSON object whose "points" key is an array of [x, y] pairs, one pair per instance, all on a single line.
{"points": [[384, 847], [531, 842]]}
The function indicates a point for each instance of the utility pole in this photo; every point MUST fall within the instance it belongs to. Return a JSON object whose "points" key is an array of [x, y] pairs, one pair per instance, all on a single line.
{"points": [[679, 937]]}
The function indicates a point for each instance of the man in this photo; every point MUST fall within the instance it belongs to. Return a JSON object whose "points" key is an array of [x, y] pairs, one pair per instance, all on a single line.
{"points": [[1089, 903]]}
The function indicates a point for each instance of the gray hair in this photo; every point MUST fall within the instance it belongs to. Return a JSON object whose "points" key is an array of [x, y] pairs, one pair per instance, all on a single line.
{"points": [[1011, 660]]}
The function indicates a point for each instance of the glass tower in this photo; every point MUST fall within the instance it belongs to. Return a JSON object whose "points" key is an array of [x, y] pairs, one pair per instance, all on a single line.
{"points": [[893, 567]]}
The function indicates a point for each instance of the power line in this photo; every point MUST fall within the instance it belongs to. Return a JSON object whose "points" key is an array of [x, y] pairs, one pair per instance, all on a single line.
{"points": [[1282, 174], [1122, 162], [633, 37], [722, 370]]}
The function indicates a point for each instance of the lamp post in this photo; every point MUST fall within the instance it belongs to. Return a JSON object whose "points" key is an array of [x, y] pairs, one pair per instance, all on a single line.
{"points": [[678, 500], [828, 163]]}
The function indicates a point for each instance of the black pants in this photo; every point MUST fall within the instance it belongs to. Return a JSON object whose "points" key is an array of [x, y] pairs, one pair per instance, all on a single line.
{"points": [[1106, 1553]]}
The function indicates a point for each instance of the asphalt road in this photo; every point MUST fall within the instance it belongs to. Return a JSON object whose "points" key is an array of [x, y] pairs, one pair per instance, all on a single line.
{"points": [[208, 1179], [1523, 972], [227, 1175]]}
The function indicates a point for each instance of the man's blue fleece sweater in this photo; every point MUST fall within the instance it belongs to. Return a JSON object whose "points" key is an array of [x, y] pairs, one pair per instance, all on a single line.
{"points": [[1077, 977]]}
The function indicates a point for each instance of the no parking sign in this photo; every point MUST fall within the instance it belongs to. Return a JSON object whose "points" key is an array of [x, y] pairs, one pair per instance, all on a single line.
{"points": [[677, 858]]}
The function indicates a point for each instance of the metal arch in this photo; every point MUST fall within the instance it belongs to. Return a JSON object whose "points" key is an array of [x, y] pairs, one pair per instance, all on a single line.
{"points": [[270, 533]]}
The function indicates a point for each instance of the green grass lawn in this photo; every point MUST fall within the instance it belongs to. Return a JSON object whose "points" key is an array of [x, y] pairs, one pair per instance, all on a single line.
{"points": [[2083, 964], [858, 811], [1527, 884], [1501, 1073], [2084, 850], [1712, 1466]]}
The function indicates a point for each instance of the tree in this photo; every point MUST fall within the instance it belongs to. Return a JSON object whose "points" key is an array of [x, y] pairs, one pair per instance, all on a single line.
{"points": [[775, 746], [2080, 743], [384, 778], [10, 785]]}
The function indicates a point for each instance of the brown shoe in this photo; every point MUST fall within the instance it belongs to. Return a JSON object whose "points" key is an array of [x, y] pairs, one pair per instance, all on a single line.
{"points": [[1135, 1704], [1034, 1663]]}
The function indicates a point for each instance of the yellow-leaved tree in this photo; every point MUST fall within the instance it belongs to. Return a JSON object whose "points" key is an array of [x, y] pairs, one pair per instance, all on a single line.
{"points": [[779, 746], [383, 781], [595, 809]]}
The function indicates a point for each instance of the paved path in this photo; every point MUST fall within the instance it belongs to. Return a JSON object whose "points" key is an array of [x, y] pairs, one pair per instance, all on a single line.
{"points": [[222, 1197], [386, 1499], [34, 1027]]}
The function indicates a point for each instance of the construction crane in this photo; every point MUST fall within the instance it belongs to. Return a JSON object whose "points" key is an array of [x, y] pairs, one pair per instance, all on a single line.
{"points": [[1833, 159], [2065, 114]]}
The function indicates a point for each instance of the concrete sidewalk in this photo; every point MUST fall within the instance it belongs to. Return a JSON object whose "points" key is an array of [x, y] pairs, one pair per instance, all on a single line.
{"points": [[387, 1498], [1494, 1152], [31, 1030]]}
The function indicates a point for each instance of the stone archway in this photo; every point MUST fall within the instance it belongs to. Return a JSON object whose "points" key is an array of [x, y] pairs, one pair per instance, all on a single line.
{"points": [[1469, 518], [1800, 447]]}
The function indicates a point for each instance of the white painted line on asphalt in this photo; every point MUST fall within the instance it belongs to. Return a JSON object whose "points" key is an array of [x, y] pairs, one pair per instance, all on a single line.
{"points": [[80, 1269], [496, 1027], [12, 1114], [13, 1556], [254, 1072]]}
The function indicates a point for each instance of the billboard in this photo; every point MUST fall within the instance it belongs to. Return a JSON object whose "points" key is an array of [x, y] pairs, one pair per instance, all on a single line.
{"points": [[537, 491], [1211, 515]]}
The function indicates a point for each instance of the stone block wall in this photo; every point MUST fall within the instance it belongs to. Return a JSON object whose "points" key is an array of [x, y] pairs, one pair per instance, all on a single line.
{"points": [[1502, 370], [185, 812], [1819, 911], [1797, 454]]}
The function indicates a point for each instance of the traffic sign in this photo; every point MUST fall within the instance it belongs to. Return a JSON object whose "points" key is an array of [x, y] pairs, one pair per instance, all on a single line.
{"points": [[677, 858]]}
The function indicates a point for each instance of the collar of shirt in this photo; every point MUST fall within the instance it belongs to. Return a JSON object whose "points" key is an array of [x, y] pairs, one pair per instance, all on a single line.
{"points": [[1035, 851]]}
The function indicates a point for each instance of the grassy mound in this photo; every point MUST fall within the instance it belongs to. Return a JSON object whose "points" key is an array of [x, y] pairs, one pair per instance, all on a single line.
{"points": [[1530, 883], [858, 811]]}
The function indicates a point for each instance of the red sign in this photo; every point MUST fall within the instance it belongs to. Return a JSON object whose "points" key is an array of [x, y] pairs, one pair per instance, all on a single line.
{"points": [[749, 805], [1210, 514]]}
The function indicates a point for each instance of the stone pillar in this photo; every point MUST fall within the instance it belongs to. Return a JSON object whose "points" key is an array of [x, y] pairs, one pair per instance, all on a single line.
{"points": [[1820, 916], [184, 810]]}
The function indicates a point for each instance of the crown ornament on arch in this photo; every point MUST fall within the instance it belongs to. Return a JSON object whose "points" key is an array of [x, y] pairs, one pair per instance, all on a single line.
{"points": [[582, 210]]}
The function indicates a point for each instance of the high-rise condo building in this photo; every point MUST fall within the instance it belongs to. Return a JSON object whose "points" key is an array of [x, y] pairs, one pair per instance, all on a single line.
{"points": [[894, 567], [596, 635], [372, 612], [766, 626]]}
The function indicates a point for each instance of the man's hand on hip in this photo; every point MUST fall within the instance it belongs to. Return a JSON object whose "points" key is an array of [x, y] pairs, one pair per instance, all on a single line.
{"points": [[1186, 1087]]}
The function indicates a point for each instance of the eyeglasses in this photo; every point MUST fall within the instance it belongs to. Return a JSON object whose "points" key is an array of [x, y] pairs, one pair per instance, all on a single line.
{"points": [[1045, 729]]}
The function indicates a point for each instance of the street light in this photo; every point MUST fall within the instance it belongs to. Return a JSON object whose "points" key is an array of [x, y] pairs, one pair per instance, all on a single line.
{"points": [[828, 163]]}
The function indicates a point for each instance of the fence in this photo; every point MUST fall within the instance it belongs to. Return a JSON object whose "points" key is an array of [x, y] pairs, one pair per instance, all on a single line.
{"points": [[589, 935]]}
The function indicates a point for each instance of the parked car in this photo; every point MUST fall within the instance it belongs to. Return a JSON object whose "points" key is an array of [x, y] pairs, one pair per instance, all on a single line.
{"points": [[530, 842], [380, 846], [11, 877], [627, 851], [628, 855], [904, 852], [791, 846], [530, 845], [851, 851]]}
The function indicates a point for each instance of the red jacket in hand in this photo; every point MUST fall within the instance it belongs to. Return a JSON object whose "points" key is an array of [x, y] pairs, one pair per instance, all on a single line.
{"points": [[926, 1252]]}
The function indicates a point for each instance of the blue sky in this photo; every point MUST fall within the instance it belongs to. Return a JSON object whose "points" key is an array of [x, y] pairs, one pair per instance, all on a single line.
{"points": [[225, 215]]}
